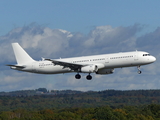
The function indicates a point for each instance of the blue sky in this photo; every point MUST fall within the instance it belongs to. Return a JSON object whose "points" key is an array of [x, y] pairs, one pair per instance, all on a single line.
{"points": [[78, 15], [91, 27]]}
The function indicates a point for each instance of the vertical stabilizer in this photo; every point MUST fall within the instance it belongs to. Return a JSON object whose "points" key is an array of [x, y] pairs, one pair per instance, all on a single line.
{"points": [[21, 56]]}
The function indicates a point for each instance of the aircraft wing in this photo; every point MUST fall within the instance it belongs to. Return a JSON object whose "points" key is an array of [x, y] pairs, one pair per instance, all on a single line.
{"points": [[73, 66], [17, 66]]}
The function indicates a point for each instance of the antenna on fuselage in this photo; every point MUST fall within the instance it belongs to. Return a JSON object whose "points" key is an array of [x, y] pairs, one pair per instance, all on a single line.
{"points": [[43, 59]]}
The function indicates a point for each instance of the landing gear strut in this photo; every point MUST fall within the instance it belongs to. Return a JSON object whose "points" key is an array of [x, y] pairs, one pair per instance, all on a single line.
{"points": [[78, 76], [139, 71]]}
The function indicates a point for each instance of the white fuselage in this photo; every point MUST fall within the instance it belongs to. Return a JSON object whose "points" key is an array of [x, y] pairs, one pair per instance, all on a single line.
{"points": [[106, 61]]}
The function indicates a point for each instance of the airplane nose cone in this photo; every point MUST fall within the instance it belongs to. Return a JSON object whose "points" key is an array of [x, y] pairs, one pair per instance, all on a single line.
{"points": [[153, 59]]}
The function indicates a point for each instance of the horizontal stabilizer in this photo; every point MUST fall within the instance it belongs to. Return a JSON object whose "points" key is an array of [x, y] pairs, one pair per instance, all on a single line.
{"points": [[17, 66]]}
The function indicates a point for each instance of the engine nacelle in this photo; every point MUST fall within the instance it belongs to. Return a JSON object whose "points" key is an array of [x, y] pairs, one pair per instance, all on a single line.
{"points": [[89, 69], [105, 71]]}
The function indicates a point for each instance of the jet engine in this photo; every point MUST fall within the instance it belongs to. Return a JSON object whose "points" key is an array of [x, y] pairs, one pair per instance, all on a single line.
{"points": [[105, 71], [89, 69]]}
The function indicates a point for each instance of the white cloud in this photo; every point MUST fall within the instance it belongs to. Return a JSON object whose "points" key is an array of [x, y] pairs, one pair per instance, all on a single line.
{"points": [[41, 41]]}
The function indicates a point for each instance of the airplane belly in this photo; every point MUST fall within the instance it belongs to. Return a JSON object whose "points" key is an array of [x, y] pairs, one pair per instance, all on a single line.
{"points": [[52, 70]]}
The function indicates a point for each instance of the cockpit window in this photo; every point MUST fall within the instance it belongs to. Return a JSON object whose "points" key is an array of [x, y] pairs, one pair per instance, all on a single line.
{"points": [[146, 54]]}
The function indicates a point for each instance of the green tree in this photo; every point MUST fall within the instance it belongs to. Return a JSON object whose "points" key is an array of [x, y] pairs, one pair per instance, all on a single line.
{"points": [[104, 113], [44, 90]]}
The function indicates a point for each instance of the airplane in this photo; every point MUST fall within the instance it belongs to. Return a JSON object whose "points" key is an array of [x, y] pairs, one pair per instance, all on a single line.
{"points": [[99, 64]]}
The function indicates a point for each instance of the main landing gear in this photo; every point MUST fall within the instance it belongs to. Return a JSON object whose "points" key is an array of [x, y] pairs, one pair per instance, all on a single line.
{"points": [[139, 71], [78, 76], [88, 77]]}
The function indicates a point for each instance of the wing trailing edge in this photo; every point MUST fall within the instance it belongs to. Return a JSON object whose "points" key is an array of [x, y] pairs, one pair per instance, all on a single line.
{"points": [[72, 66]]}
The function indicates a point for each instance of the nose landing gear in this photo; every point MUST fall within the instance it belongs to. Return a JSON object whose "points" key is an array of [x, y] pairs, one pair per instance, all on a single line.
{"points": [[139, 71]]}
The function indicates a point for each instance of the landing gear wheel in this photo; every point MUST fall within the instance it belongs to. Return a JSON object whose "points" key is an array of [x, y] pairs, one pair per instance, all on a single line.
{"points": [[139, 72], [78, 76], [89, 77]]}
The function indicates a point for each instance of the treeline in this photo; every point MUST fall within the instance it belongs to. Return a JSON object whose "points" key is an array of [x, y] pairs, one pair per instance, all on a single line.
{"points": [[77, 99], [44, 91], [147, 112], [39, 91], [41, 104]]}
